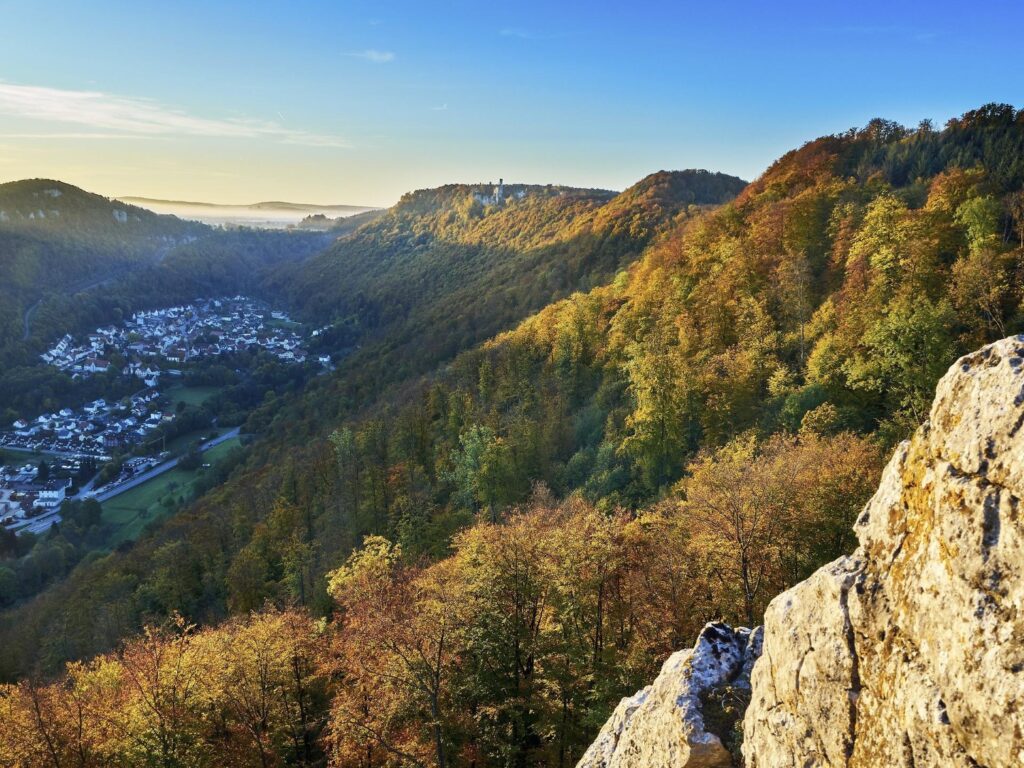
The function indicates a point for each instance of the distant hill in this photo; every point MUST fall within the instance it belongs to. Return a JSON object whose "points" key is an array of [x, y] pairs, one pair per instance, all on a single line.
{"points": [[56, 238], [45, 205], [274, 214], [453, 258]]}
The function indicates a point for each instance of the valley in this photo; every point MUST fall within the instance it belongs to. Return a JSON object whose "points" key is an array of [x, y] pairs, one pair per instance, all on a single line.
{"points": [[511, 385], [501, 386]]}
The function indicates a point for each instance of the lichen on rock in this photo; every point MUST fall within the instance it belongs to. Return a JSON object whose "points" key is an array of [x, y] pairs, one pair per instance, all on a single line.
{"points": [[910, 652], [664, 724]]}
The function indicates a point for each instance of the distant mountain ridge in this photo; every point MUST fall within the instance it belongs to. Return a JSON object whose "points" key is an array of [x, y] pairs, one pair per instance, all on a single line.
{"points": [[268, 204], [30, 202], [455, 254], [268, 214], [56, 238]]}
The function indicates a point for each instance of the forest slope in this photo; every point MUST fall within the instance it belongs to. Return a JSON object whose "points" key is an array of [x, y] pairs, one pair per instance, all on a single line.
{"points": [[760, 354], [55, 237], [592, 227], [440, 259]]}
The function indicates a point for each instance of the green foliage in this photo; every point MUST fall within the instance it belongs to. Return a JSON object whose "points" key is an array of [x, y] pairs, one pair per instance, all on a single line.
{"points": [[828, 297], [905, 353]]}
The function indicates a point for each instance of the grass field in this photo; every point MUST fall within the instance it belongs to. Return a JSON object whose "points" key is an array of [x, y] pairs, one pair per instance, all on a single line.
{"points": [[288, 324], [218, 452], [194, 396], [181, 443], [130, 512]]}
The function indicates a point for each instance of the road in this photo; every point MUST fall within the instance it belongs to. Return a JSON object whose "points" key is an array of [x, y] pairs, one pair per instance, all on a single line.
{"points": [[37, 525], [42, 523], [27, 320], [159, 469]]}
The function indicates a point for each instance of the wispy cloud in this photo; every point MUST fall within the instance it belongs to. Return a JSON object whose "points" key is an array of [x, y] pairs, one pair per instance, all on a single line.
{"points": [[440, 108], [109, 115], [45, 135], [519, 32], [372, 54]]}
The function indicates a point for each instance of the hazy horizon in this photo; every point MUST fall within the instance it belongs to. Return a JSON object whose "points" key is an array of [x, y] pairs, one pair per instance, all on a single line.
{"points": [[258, 214]]}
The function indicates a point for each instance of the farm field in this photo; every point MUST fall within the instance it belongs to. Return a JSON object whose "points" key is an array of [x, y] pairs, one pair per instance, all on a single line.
{"points": [[194, 396], [181, 443], [131, 511]]}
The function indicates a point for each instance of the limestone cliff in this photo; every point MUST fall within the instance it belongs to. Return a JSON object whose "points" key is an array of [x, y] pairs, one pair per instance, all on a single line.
{"points": [[910, 651], [664, 724]]}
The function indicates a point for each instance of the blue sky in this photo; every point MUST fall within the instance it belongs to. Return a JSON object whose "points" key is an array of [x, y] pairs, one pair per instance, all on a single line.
{"points": [[357, 102]]}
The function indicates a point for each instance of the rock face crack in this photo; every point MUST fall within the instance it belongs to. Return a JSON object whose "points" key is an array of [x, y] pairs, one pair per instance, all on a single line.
{"points": [[990, 523], [910, 651], [854, 690], [916, 655]]}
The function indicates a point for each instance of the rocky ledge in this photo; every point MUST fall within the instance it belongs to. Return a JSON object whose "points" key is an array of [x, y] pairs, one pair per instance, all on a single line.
{"points": [[665, 723], [910, 651]]}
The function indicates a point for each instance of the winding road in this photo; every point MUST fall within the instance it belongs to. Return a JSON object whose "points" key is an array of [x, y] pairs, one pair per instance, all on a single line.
{"points": [[89, 283]]}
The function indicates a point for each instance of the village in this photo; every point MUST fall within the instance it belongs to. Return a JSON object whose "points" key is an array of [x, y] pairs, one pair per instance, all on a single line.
{"points": [[93, 431], [150, 346], [176, 335]]}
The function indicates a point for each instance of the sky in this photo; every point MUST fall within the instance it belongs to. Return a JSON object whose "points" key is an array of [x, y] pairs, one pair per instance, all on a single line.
{"points": [[359, 102]]}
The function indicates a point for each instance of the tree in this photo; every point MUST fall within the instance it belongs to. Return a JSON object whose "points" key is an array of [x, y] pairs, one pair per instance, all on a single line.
{"points": [[192, 459], [264, 673], [739, 504], [398, 639], [162, 721], [981, 285], [8, 586], [761, 516], [659, 425], [904, 355]]}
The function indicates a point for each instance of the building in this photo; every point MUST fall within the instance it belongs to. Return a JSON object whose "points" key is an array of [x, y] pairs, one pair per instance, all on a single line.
{"points": [[497, 196], [51, 495]]}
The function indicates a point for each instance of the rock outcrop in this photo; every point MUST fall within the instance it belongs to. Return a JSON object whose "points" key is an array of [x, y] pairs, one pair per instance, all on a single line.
{"points": [[664, 724], [910, 651]]}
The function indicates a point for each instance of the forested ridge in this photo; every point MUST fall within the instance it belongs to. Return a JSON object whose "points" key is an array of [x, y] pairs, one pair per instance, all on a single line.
{"points": [[503, 547], [55, 237], [440, 260]]}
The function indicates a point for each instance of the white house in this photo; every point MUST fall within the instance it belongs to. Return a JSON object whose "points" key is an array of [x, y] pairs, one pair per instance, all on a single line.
{"points": [[51, 495]]}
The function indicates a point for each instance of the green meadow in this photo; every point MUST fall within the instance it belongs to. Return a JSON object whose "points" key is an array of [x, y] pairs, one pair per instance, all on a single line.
{"points": [[194, 396], [130, 512]]}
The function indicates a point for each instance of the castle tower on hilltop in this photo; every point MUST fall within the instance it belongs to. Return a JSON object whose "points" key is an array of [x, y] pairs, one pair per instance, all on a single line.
{"points": [[497, 196]]}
